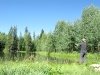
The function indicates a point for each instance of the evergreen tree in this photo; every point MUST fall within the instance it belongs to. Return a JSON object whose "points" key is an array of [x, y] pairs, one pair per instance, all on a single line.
{"points": [[14, 43], [28, 42], [21, 43], [41, 34]]}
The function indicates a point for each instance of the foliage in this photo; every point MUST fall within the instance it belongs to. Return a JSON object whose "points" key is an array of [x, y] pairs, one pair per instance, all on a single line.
{"points": [[21, 43], [64, 38], [41, 41], [44, 68], [12, 42], [28, 42]]}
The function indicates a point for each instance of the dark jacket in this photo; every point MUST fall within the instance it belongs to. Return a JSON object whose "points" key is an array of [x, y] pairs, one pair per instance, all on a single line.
{"points": [[83, 47]]}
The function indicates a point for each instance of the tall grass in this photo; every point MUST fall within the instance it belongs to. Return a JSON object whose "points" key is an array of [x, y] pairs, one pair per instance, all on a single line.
{"points": [[44, 67]]}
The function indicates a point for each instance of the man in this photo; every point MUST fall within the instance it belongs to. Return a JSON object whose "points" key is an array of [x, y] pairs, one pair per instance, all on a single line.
{"points": [[83, 47]]}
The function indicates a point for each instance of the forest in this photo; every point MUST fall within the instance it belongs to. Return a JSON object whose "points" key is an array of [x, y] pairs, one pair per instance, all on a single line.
{"points": [[60, 43]]}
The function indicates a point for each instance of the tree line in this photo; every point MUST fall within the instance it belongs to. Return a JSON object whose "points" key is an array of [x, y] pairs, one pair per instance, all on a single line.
{"points": [[63, 39]]}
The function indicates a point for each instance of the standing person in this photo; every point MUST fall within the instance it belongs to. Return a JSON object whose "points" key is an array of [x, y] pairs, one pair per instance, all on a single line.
{"points": [[83, 52]]}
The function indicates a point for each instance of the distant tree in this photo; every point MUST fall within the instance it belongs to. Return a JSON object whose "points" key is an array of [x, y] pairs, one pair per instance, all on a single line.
{"points": [[34, 36], [41, 34], [21, 43], [50, 46], [14, 43], [9, 39], [28, 42], [34, 49], [62, 34], [2, 41], [41, 41], [8, 43], [2, 46]]}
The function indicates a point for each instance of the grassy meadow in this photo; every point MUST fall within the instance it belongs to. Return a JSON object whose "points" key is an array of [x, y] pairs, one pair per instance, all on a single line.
{"points": [[42, 65]]}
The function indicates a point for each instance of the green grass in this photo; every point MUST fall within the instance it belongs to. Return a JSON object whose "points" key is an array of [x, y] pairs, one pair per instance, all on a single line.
{"points": [[74, 57], [44, 67]]}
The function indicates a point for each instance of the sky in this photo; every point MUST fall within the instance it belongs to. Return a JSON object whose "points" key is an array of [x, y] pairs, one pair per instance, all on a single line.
{"points": [[40, 14]]}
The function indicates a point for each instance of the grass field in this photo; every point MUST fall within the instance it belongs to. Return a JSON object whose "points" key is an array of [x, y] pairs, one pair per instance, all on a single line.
{"points": [[45, 67]]}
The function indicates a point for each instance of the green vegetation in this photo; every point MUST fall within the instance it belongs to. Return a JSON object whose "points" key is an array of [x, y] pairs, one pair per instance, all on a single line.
{"points": [[46, 67], [54, 53]]}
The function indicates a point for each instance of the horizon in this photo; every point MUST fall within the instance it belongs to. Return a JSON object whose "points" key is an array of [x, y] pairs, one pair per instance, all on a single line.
{"points": [[40, 14]]}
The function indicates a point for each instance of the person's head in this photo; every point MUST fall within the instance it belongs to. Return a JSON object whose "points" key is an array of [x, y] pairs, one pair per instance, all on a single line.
{"points": [[83, 40]]}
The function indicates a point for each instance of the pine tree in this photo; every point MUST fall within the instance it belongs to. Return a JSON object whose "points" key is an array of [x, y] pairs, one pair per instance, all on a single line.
{"points": [[21, 43], [14, 43], [28, 42]]}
